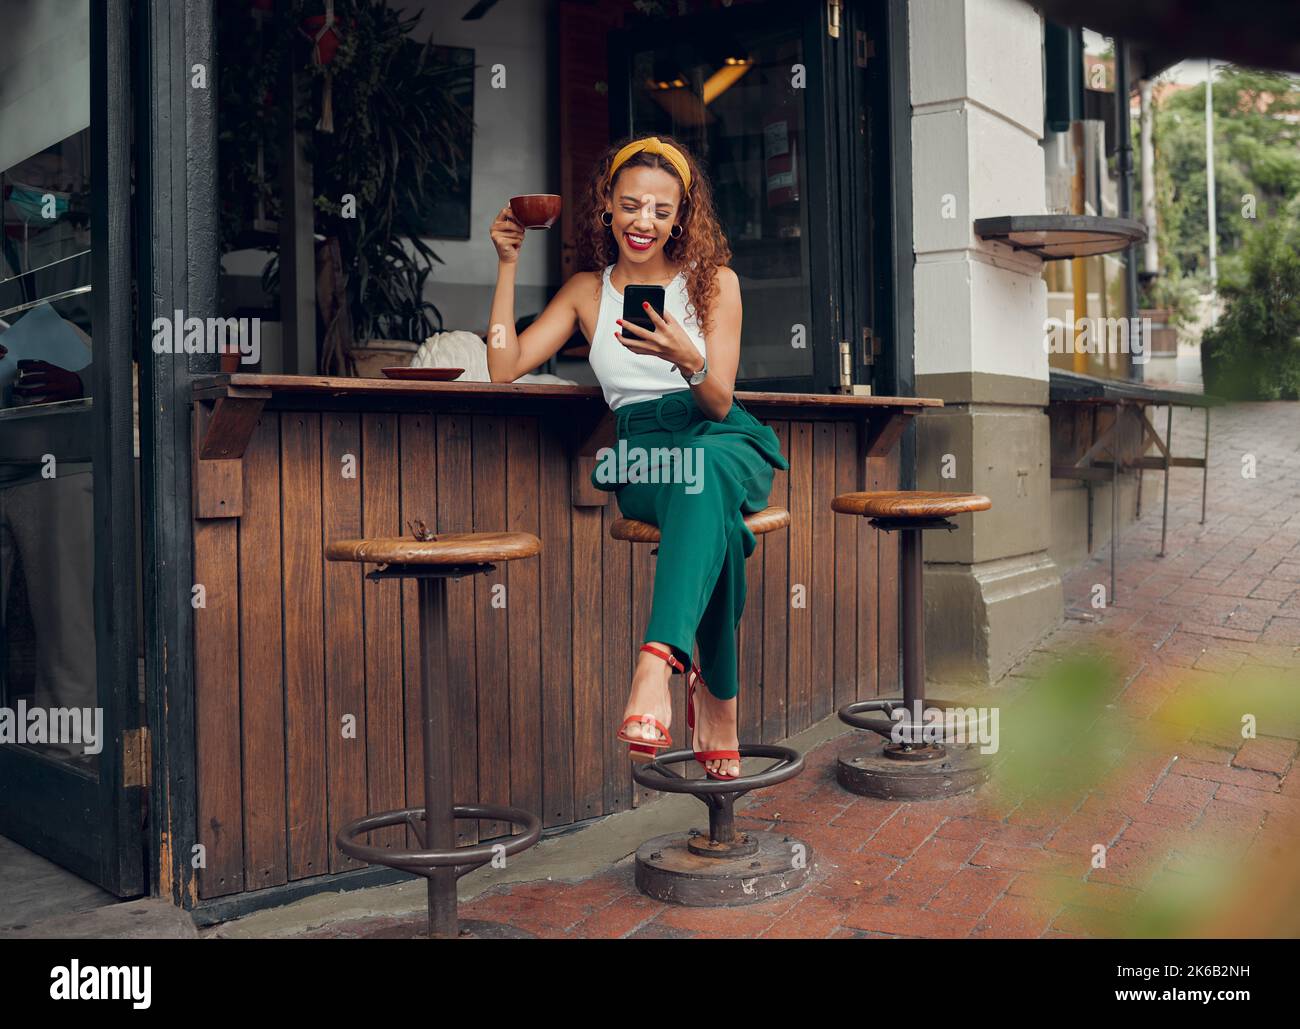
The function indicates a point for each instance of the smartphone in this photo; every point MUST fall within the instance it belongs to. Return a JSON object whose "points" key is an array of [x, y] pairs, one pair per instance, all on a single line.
{"points": [[634, 297]]}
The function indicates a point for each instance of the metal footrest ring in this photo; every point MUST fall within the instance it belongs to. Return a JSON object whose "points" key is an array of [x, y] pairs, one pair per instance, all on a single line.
{"points": [[862, 715], [423, 862], [655, 775]]}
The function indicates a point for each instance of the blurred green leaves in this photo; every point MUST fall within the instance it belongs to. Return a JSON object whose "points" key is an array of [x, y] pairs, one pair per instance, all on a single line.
{"points": [[1068, 738], [1062, 735]]}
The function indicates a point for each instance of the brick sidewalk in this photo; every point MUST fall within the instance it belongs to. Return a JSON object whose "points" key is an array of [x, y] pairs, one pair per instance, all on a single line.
{"points": [[1220, 611]]}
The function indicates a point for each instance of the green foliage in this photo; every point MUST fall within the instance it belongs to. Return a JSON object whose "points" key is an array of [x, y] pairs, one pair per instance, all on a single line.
{"points": [[1073, 741], [1254, 351], [395, 129], [1256, 153], [1059, 738], [1177, 295], [394, 144], [1257, 156]]}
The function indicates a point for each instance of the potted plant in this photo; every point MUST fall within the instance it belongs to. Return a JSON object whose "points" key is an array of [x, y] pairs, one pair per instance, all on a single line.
{"points": [[396, 127], [390, 142], [1168, 301]]}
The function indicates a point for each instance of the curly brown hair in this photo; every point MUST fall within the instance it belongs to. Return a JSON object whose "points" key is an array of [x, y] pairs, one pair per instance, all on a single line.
{"points": [[700, 250]]}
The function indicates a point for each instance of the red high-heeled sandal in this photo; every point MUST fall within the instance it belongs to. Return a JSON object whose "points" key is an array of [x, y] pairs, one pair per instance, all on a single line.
{"points": [[702, 756], [639, 748]]}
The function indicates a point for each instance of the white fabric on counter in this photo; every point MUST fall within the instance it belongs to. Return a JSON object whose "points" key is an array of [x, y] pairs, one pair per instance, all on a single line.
{"points": [[462, 349]]}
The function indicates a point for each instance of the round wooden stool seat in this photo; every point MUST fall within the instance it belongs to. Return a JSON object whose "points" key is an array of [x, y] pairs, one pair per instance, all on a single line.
{"points": [[909, 504], [767, 520], [448, 548]]}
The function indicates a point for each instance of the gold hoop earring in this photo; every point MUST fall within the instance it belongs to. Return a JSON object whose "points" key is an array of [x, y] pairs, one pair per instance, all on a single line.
{"points": [[606, 218], [675, 232]]}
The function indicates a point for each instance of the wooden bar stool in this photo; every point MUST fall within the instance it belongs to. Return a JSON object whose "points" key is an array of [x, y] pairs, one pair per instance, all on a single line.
{"points": [[912, 764], [728, 868], [431, 561], [767, 520]]}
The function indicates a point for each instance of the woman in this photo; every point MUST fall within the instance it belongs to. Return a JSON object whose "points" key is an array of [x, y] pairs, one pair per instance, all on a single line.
{"points": [[646, 218]]}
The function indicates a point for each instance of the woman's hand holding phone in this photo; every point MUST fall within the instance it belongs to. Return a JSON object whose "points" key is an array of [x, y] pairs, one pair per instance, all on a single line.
{"points": [[507, 236], [668, 340]]}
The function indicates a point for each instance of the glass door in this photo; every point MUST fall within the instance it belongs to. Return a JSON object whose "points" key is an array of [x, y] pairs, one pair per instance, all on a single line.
{"points": [[746, 90], [69, 694]]}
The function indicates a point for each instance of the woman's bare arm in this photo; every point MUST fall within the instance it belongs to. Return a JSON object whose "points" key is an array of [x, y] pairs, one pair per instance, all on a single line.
{"points": [[509, 354]]}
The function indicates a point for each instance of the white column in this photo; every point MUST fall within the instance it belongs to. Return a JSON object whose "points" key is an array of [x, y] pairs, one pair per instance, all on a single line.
{"points": [[980, 308]]}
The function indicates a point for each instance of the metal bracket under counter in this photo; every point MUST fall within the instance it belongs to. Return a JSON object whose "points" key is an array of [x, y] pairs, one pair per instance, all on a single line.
{"points": [[223, 426]]}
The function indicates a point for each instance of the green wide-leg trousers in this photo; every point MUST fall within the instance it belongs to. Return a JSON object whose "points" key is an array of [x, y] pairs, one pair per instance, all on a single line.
{"points": [[710, 475]]}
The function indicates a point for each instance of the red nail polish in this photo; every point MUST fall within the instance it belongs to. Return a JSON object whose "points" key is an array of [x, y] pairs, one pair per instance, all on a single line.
{"points": [[645, 304]]}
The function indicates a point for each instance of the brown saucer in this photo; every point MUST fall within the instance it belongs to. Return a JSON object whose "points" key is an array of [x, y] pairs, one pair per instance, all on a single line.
{"points": [[425, 374]]}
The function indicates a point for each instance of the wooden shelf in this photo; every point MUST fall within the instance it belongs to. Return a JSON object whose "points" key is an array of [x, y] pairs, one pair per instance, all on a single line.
{"points": [[1057, 237]]}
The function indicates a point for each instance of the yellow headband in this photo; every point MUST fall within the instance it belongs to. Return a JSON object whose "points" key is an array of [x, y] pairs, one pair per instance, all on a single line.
{"points": [[652, 145]]}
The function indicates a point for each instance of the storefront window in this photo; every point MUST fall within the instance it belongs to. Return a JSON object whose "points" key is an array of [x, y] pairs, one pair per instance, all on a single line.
{"points": [[47, 665], [1082, 178], [734, 102]]}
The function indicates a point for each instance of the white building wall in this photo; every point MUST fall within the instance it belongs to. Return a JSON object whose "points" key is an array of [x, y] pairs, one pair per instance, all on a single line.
{"points": [[977, 113], [976, 82]]}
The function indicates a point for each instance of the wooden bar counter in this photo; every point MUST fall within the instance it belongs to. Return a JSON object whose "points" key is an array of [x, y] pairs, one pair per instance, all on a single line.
{"points": [[306, 708]]}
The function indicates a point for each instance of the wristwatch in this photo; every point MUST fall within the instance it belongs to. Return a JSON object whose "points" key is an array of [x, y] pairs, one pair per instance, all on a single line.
{"points": [[698, 377]]}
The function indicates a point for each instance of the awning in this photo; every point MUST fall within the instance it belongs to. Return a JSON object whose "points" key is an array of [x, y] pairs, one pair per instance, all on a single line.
{"points": [[1260, 33]]}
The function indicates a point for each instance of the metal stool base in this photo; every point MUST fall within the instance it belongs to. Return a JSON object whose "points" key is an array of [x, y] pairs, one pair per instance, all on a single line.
{"points": [[442, 867], [724, 867], [865, 769], [667, 870]]}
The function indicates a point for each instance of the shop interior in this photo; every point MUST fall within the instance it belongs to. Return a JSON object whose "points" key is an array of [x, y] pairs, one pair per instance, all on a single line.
{"points": [[516, 97]]}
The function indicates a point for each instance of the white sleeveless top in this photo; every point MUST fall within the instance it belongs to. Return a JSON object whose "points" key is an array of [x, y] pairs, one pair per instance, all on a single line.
{"points": [[627, 377]]}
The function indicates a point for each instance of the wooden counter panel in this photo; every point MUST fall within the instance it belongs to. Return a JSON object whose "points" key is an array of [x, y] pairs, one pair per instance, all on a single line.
{"points": [[342, 618], [261, 655], [302, 575], [775, 590], [382, 604], [217, 722], [542, 679], [417, 474]]}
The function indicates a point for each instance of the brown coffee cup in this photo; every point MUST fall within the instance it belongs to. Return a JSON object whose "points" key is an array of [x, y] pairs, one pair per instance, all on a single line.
{"points": [[536, 210]]}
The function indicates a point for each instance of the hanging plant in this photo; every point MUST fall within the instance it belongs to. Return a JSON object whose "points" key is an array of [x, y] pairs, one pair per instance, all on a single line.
{"points": [[323, 32]]}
